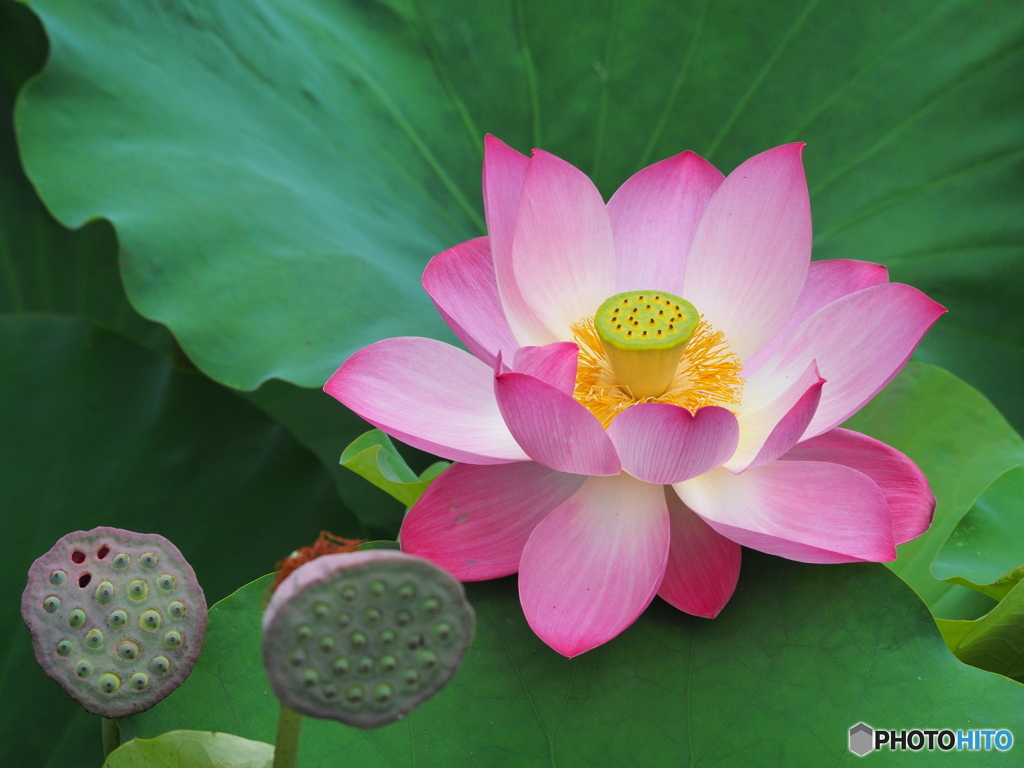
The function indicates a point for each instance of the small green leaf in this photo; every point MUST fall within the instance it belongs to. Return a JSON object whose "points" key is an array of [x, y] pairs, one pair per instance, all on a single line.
{"points": [[986, 549], [192, 749], [374, 457], [995, 642], [962, 443]]}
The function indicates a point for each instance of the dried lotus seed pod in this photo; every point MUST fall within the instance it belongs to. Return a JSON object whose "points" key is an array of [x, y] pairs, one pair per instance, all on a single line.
{"points": [[117, 618], [364, 637]]}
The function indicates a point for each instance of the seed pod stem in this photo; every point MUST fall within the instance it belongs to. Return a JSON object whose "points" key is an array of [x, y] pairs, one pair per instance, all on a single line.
{"points": [[111, 736], [286, 746]]}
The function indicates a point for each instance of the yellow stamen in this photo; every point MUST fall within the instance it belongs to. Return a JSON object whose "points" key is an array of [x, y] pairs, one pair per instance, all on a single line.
{"points": [[707, 374]]}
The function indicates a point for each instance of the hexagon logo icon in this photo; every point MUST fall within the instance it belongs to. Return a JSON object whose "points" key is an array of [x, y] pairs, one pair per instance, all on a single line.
{"points": [[862, 739]]}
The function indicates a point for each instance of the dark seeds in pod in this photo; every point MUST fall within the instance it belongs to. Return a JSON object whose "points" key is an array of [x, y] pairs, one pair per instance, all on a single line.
{"points": [[427, 659], [104, 592], [354, 694], [431, 606], [78, 557], [138, 589], [139, 681], [128, 650], [172, 639], [109, 682], [414, 641], [94, 638], [402, 618], [443, 631]]}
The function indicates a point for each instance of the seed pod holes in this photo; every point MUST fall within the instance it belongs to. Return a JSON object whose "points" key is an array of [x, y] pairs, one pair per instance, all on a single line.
{"points": [[390, 632], [106, 645]]}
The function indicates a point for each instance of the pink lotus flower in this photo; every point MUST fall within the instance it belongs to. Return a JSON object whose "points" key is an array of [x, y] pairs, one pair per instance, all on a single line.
{"points": [[614, 441]]}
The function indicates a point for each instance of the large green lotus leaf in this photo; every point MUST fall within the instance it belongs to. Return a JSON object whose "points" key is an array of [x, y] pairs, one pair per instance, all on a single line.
{"points": [[962, 443], [326, 427], [798, 656], [192, 749], [45, 267], [995, 641], [99, 431], [986, 549], [280, 171]]}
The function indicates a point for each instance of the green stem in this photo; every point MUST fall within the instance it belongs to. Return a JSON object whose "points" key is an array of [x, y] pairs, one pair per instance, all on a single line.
{"points": [[111, 736], [286, 746]]}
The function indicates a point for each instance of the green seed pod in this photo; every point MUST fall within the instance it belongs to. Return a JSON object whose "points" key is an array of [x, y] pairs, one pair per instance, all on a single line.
{"points": [[93, 595], [138, 589], [104, 592], [139, 681], [407, 622], [109, 682], [94, 638], [128, 650]]}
